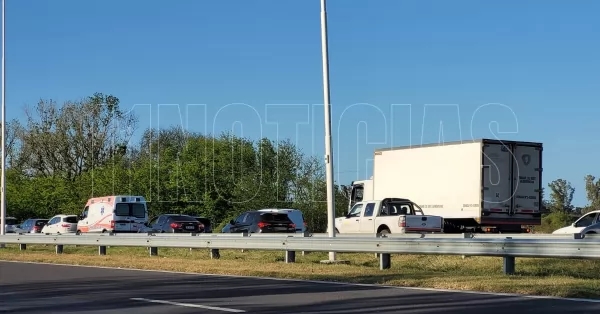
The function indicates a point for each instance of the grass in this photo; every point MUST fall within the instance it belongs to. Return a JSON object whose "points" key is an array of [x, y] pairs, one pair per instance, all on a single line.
{"points": [[550, 277]]}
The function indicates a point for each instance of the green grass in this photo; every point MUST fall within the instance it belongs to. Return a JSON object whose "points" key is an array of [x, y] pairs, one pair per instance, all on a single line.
{"points": [[552, 277]]}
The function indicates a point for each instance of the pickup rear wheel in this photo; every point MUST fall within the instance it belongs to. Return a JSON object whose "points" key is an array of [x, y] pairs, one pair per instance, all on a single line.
{"points": [[384, 231]]}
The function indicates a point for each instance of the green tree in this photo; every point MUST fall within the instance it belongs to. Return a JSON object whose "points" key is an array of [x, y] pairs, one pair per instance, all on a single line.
{"points": [[592, 189], [561, 195]]}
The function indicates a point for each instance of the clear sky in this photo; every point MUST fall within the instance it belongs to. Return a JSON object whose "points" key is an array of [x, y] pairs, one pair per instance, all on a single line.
{"points": [[255, 66]]}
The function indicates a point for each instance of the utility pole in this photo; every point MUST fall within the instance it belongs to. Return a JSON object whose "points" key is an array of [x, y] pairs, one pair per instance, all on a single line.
{"points": [[3, 170], [328, 149]]}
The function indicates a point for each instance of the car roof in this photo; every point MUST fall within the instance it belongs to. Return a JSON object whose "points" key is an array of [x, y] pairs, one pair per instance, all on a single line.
{"points": [[279, 210]]}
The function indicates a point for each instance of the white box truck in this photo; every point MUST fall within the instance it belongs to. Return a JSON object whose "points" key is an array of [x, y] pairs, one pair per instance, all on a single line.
{"points": [[483, 185]]}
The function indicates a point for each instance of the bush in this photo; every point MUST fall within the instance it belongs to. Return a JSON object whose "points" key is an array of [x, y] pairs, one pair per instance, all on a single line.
{"points": [[556, 220]]}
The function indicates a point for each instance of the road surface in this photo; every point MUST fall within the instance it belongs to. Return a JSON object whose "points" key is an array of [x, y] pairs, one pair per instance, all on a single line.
{"points": [[40, 288]]}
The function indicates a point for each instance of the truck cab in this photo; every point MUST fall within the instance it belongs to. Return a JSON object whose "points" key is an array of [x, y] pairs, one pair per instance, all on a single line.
{"points": [[359, 191], [390, 215]]}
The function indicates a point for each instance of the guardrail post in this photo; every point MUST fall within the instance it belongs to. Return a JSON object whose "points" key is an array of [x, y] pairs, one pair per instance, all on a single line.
{"points": [[290, 256], [244, 234], [102, 250], [22, 246], [59, 249], [153, 251], [214, 254], [385, 261], [305, 234], [509, 263]]}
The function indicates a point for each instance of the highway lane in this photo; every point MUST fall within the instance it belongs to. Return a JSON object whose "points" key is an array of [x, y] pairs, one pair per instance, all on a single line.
{"points": [[39, 288]]}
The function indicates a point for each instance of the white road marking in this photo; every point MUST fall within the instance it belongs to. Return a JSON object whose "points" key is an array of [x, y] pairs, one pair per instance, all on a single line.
{"points": [[222, 309], [322, 282]]}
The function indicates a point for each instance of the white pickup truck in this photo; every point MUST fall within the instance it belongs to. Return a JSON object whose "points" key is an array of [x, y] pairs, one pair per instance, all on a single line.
{"points": [[390, 215]]}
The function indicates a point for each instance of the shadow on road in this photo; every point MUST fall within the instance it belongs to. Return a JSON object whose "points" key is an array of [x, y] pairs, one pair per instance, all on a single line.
{"points": [[91, 289]]}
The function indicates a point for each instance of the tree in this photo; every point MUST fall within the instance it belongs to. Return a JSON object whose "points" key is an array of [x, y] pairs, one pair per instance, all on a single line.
{"points": [[561, 195], [592, 189], [69, 140]]}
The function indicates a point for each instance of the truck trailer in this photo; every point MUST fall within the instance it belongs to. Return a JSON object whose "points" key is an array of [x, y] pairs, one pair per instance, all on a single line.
{"points": [[483, 185]]}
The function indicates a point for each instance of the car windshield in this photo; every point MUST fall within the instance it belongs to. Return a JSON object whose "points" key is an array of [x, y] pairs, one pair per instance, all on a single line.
{"points": [[11, 221], [41, 223]]}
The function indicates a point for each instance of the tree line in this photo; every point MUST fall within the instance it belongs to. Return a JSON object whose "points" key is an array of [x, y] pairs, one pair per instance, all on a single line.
{"points": [[63, 155]]}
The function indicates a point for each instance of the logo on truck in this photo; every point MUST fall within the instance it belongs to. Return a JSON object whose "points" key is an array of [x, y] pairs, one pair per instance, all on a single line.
{"points": [[526, 159]]}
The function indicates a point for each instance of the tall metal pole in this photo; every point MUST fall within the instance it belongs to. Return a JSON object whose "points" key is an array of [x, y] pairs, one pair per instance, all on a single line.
{"points": [[328, 149], [3, 168]]}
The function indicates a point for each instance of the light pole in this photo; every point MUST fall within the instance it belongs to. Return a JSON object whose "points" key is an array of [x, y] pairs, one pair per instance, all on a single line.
{"points": [[3, 168], [328, 150]]}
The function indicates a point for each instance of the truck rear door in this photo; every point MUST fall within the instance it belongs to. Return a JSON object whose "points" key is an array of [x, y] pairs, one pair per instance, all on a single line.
{"points": [[527, 171], [123, 221], [497, 179]]}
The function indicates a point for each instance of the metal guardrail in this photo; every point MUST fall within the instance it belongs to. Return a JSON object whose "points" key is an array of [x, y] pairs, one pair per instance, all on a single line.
{"points": [[355, 235], [508, 246]]}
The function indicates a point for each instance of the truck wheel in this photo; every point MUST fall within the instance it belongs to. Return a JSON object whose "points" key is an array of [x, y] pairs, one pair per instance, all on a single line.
{"points": [[385, 231]]}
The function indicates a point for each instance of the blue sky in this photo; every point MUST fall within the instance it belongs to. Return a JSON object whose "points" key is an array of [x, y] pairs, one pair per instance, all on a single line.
{"points": [[256, 65]]}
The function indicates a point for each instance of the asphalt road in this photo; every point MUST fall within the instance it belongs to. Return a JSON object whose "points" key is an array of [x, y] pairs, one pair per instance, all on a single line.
{"points": [[37, 288]]}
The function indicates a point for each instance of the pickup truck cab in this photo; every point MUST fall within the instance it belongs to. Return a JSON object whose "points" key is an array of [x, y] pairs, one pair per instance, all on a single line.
{"points": [[390, 215]]}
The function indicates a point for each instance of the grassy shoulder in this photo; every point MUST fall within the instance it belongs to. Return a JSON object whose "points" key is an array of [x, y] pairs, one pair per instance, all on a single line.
{"points": [[552, 277]]}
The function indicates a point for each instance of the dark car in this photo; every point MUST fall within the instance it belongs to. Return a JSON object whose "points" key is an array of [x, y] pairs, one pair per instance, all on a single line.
{"points": [[33, 225], [206, 222], [173, 223], [261, 222]]}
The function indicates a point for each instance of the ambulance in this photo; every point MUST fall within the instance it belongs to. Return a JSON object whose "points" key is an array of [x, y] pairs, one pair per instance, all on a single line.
{"points": [[114, 213]]}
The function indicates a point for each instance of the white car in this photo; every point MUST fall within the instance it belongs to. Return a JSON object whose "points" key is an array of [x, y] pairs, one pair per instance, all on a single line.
{"points": [[61, 224], [11, 225], [587, 224], [294, 214]]}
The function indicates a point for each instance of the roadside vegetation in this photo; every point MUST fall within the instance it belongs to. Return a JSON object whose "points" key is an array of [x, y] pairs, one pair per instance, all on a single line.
{"points": [[62, 154], [551, 277]]}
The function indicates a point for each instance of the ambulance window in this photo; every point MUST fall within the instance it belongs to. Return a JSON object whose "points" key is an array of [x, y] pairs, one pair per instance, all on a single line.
{"points": [[138, 210], [85, 212], [122, 209]]}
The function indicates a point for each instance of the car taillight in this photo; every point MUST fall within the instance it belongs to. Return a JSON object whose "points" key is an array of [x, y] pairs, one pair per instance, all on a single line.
{"points": [[175, 225], [292, 225], [402, 221], [305, 224], [112, 224], [36, 228], [201, 226], [262, 224]]}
